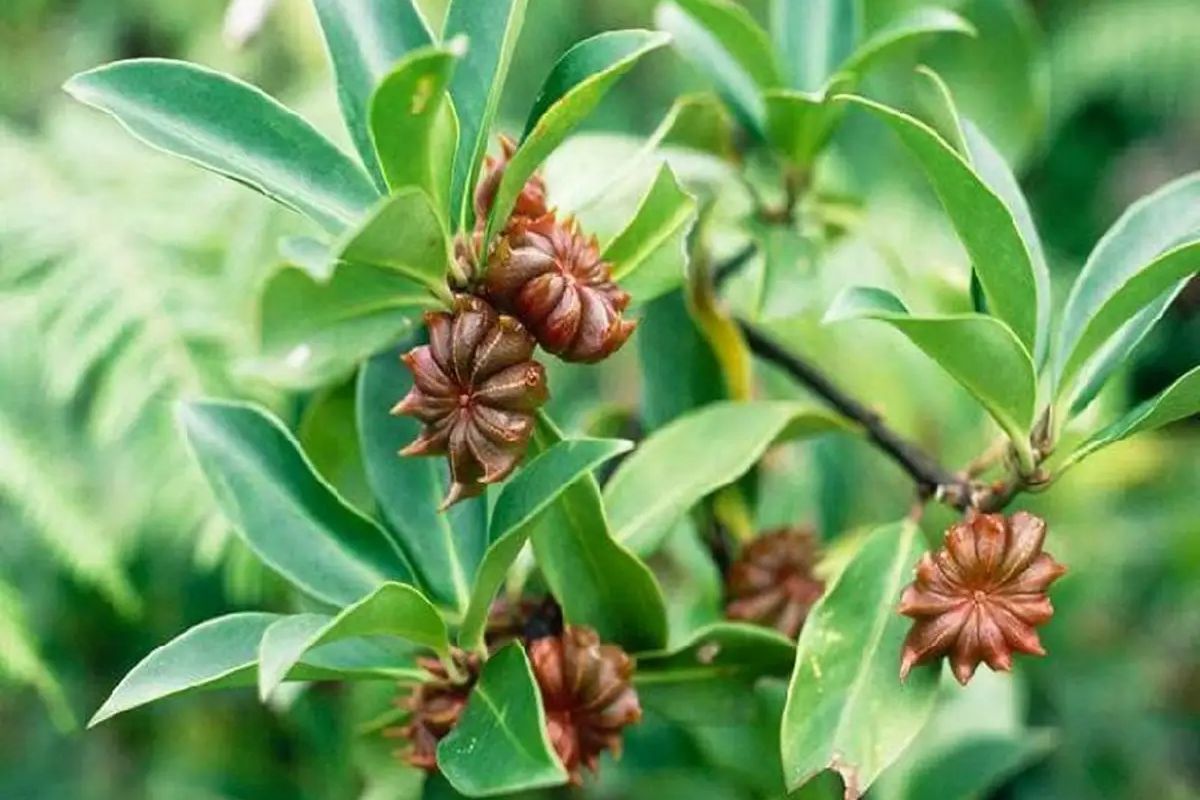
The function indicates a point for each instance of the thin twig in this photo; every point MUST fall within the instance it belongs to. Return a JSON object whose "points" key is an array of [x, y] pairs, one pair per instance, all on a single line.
{"points": [[728, 268], [932, 479]]}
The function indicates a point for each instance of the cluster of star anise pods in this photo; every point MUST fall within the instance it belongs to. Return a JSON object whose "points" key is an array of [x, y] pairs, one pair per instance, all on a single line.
{"points": [[585, 687], [476, 385], [772, 582]]}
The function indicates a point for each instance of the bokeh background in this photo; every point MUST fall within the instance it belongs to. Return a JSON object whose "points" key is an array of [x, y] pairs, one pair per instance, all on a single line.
{"points": [[128, 280]]}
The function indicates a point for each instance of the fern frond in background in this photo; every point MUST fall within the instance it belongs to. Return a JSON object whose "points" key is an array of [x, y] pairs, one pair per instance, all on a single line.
{"points": [[21, 663]]}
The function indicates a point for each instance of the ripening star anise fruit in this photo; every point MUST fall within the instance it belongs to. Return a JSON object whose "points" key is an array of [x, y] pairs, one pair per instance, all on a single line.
{"points": [[587, 694], [979, 598], [772, 582], [551, 277], [434, 708], [531, 202], [475, 389]]}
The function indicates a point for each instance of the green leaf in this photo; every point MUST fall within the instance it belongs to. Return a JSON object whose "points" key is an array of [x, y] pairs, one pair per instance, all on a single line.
{"points": [[722, 651], [287, 514], [365, 38], [1178, 401], [906, 30], [445, 549], [223, 652], [938, 108], [492, 28], [679, 370], [984, 223], [414, 127], [689, 459], [393, 610], [846, 708], [649, 256], [524, 500], [1149, 228], [571, 92], [404, 233], [315, 332], [21, 662], [500, 744], [595, 578], [799, 124], [978, 351], [977, 767], [233, 129], [815, 37], [724, 44]]}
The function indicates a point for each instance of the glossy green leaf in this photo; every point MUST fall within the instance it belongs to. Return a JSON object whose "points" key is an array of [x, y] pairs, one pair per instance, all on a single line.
{"points": [[713, 36], [414, 127], [978, 351], [444, 548], [722, 651], [500, 744], [365, 39], [814, 38], [679, 371], [393, 610], [538, 485], [680, 464], [492, 28], [649, 256], [309, 254], [233, 129], [906, 30], [287, 514], [846, 708], [596, 580], [315, 332], [404, 233], [1178, 401], [937, 107], [1150, 227], [576, 85], [984, 223], [799, 124]]}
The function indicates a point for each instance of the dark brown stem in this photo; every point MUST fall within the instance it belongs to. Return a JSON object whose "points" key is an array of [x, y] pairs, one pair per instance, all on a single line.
{"points": [[932, 479], [730, 267]]}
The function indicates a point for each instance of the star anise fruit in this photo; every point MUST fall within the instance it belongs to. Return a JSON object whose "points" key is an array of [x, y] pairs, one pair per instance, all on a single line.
{"points": [[772, 582], [475, 388], [588, 695], [552, 278], [530, 203], [434, 708], [979, 598]]}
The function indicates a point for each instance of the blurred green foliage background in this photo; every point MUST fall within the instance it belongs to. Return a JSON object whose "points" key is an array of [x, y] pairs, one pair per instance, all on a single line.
{"points": [[128, 281]]}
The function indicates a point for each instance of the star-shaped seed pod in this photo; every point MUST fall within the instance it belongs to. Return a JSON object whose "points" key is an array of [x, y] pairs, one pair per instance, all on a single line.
{"points": [[979, 598], [475, 388], [772, 582], [551, 277], [434, 707], [587, 693], [530, 203]]}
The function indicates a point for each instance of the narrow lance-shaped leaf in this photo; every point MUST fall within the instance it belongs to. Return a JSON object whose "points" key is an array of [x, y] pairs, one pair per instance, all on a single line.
{"points": [[445, 548], [846, 708], [413, 124], [596, 579], [1178, 401], [492, 28], [689, 459], [800, 124], [814, 38], [1155, 224], [287, 514], [978, 351], [365, 39], [984, 223], [392, 610], [907, 29], [526, 497], [234, 129], [937, 107], [500, 744], [573, 89], [649, 256], [721, 651]]}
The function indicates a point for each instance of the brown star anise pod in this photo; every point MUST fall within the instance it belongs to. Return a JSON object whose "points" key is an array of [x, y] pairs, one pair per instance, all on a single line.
{"points": [[979, 598], [551, 277], [772, 582], [531, 202], [434, 708], [587, 693], [475, 389]]}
